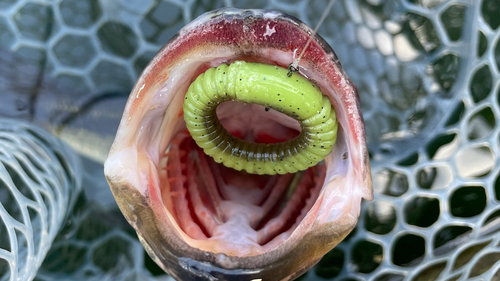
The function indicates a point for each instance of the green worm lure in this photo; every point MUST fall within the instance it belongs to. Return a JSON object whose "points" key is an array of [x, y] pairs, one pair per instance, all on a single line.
{"points": [[267, 85]]}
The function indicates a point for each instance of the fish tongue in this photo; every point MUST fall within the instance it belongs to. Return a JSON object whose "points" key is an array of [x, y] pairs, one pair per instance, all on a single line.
{"points": [[237, 229]]}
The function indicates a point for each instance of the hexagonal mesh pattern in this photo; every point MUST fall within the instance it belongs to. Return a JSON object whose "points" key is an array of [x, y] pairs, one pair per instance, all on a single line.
{"points": [[37, 186], [428, 73]]}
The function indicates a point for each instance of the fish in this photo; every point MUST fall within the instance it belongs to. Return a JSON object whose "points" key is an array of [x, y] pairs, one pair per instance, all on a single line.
{"points": [[199, 220]]}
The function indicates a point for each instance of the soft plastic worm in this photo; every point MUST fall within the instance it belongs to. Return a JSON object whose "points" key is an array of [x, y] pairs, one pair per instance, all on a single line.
{"points": [[267, 85]]}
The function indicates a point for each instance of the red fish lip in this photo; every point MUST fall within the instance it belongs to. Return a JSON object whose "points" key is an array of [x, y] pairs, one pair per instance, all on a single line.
{"points": [[131, 166]]}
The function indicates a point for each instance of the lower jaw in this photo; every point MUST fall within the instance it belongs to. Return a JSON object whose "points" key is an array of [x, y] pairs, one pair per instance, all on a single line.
{"points": [[220, 210]]}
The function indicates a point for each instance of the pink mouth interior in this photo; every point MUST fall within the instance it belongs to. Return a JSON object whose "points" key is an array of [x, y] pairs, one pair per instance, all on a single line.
{"points": [[219, 210], [229, 209]]}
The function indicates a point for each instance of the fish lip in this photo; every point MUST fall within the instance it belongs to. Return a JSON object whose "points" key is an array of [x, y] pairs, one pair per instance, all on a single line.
{"points": [[156, 238], [142, 205]]}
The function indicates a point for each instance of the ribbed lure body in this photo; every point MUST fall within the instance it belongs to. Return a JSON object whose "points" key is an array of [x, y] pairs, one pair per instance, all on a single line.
{"points": [[270, 86]]}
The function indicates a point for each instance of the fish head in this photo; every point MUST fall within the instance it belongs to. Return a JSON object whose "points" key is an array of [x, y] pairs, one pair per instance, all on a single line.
{"points": [[199, 220]]}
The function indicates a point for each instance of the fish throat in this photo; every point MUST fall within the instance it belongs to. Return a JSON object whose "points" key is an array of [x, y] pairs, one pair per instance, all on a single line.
{"points": [[233, 212], [213, 176]]}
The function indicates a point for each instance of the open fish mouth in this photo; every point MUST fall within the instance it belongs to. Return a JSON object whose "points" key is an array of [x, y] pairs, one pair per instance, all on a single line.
{"points": [[202, 221]]}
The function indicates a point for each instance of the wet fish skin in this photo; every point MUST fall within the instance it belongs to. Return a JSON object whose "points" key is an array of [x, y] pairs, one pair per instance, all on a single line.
{"points": [[130, 168]]}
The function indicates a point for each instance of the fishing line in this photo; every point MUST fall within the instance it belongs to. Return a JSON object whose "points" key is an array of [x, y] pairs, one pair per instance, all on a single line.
{"points": [[294, 66], [269, 86], [272, 87]]}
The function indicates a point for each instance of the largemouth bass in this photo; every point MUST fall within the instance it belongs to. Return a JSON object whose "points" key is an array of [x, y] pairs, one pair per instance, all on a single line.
{"points": [[199, 220]]}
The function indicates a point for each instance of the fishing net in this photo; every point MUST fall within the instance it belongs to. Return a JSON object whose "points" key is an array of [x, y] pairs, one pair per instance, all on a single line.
{"points": [[428, 73], [38, 183]]}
